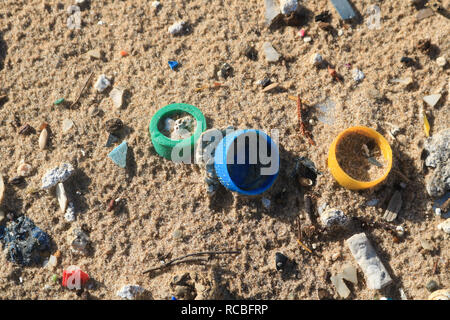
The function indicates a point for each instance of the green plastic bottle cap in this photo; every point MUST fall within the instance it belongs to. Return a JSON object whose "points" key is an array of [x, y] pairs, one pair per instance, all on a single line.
{"points": [[164, 145]]}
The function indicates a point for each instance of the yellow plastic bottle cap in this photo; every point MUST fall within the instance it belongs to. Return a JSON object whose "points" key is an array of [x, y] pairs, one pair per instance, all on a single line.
{"points": [[343, 178]]}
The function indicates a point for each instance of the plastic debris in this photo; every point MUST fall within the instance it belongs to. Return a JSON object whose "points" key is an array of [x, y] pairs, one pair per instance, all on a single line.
{"points": [[173, 64], [271, 54], [394, 207], [344, 9], [79, 241], [443, 294], [316, 59], [177, 28], [24, 241], [70, 214], [280, 261], [405, 81], [349, 274], [444, 226], [67, 125], [130, 292], [326, 110], [156, 4], [57, 175], [307, 39], [441, 61], [102, 83], [432, 100], [272, 13], [358, 75], [333, 217], [302, 33], [59, 101], [438, 149], [2, 188], [95, 54], [116, 96], [119, 155], [266, 203], [123, 53], [340, 286], [288, 6], [62, 197], [74, 278], [111, 139], [74, 20], [424, 13], [376, 274]]}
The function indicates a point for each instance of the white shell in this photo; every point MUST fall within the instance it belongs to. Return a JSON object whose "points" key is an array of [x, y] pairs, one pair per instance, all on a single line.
{"points": [[43, 139], [62, 198]]}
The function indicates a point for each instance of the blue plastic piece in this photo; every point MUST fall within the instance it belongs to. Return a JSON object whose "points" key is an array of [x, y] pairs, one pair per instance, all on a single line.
{"points": [[344, 9], [173, 298], [173, 64], [242, 176], [119, 154]]}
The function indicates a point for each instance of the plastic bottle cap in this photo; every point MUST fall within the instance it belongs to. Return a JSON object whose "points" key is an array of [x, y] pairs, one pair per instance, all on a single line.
{"points": [[343, 178], [244, 178], [164, 145]]}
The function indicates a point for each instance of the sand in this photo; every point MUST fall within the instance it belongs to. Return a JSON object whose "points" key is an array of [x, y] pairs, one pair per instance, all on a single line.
{"points": [[165, 212]]}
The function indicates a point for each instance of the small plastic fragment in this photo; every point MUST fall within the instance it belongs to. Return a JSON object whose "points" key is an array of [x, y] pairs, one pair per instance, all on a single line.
{"points": [[119, 155], [316, 59], [344, 9], [111, 139], [288, 6], [123, 53], [394, 207], [432, 100], [424, 13], [340, 286], [59, 101], [56, 175], [2, 188], [349, 273], [177, 28], [271, 54], [272, 11], [116, 96], [130, 292], [173, 64], [74, 278], [426, 124], [102, 83], [444, 226], [358, 75], [441, 61], [67, 125]]}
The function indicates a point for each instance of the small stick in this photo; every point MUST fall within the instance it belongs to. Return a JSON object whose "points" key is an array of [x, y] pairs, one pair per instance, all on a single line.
{"points": [[81, 92], [305, 247], [190, 255], [303, 130], [435, 266]]}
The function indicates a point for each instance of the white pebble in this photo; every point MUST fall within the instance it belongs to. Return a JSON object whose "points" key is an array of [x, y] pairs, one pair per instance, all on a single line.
{"points": [[307, 39], [444, 226], [130, 292], [156, 4], [441, 61]]}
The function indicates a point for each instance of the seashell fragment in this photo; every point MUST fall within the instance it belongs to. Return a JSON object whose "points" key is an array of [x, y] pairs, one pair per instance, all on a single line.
{"points": [[62, 198], [43, 139], [24, 169], [443, 294]]}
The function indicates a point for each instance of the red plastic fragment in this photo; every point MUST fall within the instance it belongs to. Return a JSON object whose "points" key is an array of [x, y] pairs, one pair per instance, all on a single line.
{"points": [[74, 279]]}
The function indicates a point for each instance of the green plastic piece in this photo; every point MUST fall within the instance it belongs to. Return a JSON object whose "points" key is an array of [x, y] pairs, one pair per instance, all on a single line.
{"points": [[59, 101], [164, 145], [54, 278]]}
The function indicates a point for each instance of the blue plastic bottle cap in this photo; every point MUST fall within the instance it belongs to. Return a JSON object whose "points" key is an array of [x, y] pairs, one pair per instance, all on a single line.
{"points": [[242, 166]]}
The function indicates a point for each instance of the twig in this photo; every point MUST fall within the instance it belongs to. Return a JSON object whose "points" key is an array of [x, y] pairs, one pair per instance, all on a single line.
{"points": [[435, 266], [305, 247], [190, 255], [81, 92], [303, 130]]}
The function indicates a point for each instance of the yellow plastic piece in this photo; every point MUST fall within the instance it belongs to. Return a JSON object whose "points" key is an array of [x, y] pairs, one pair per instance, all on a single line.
{"points": [[344, 179], [426, 124]]}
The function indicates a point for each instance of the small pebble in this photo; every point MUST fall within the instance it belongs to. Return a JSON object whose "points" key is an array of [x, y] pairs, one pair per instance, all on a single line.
{"points": [[116, 96], [307, 39], [288, 6], [358, 75], [280, 261], [316, 59], [156, 4], [102, 83], [67, 125], [441, 61]]}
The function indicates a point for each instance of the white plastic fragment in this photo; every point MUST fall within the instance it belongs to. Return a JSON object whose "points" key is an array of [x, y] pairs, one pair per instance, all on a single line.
{"points": [[340, 285], [288, 6], [56, 175], [116, 96], [271, 54], [61, 196], [333, 217], [266, 203], [130, 292], [405, 81], [102, 83], [444, 226], [156, 4], [441, 61], [432, 100], [394, 207], [376, 274], [70, 215], [74, 20], [358, 75], [316, 59], [272, 11], [177, 27], [2, 188], [307, 39], [349, 273], [67, 125]]}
